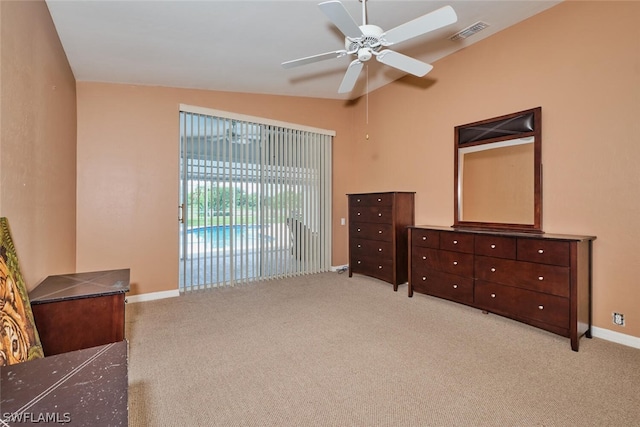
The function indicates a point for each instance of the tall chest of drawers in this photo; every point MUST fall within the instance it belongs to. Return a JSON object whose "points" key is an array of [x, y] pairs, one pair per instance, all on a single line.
{"points": [[378, 243], [542, 280]]}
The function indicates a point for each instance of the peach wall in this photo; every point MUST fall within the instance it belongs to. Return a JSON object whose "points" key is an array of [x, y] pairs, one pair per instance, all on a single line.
{"points": [[37, 141], [128, 171], [580, 61]]}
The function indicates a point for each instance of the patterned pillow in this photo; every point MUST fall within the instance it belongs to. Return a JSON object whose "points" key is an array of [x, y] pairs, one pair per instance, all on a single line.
{"points": [[19, 340]]}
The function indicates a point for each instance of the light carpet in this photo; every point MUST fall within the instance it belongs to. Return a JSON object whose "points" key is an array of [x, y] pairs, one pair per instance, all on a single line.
{"points": [[329, 350]]}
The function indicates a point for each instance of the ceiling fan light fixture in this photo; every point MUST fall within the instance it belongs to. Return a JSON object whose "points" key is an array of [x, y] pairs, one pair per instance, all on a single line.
{"points": [[469, 31], [364, 54]]}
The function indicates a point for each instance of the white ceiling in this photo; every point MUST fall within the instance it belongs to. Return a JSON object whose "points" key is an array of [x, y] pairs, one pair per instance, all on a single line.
{"points": [[239, 45]]}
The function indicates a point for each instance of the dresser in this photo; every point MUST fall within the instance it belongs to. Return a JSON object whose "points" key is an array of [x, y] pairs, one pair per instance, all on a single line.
{"points": [[378, 233], [80, 310], [543, 280]]}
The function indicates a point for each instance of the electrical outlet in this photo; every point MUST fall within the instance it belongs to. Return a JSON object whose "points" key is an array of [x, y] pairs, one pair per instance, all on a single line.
{"points": [[618, 319]]}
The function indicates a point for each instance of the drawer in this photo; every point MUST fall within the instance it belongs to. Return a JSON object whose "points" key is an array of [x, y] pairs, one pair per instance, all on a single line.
{"points": [[425, 258], [457, 242], [382, 214], [425, 238], [375, 199], [371, 248], [443, 285], [522, 303], [371, 231], [379, 268], [495, 246], [538, 277], [544, 251], [456, 263]]}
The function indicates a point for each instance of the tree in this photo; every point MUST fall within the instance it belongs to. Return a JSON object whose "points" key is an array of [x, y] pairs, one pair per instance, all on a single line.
{"points": [[219, 199]]}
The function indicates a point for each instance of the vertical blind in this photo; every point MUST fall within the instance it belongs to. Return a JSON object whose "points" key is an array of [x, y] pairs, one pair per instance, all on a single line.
{"points": [[255, 199]]}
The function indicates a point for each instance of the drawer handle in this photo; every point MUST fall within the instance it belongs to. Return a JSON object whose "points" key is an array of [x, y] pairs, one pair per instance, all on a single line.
{"points": [[380, 267], [359, 245], [424, 237], [540, 278], [379, 231], [424, 257], [493, 270], [455, 286], [493, 295], [455, 242], [424, 278], [540, 251], [493, 246], [541, 307], [379, 199], [379, 249], [455, 262], [358, 213], [359, 262], [358, 230], [358, 200], [379, 214]]}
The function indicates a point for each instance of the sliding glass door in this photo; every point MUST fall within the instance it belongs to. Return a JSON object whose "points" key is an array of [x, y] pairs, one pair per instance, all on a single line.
{"points": [[255, 199]]}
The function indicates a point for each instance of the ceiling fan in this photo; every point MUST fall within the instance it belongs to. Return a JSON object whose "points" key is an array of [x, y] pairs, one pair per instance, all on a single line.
{"points": [[366, 41]]}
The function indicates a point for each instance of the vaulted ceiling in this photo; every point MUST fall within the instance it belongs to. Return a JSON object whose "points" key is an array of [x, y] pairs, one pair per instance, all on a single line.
{"points": [[239, 45]]}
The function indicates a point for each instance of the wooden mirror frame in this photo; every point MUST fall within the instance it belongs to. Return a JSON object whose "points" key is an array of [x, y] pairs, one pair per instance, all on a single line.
{"points": [[527, 123]]}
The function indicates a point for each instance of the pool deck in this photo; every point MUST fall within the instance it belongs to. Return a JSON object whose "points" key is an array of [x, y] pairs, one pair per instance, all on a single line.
{"points": [[204, 272]]}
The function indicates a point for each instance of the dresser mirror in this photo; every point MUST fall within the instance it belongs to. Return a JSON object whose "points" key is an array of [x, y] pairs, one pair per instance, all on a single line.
{"points": [[498, 173]]}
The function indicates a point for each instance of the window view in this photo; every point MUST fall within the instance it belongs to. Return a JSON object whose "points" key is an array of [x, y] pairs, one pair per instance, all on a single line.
{"points": [[255, 201]]}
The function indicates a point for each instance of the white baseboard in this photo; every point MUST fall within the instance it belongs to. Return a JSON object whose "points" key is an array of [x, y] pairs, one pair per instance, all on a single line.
{"points": [[153, 296], [176, 293], [616, 337]]}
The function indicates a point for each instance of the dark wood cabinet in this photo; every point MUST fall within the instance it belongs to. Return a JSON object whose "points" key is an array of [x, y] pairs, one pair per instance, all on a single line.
{"points": [[82, 310], [378, 235], [543, 280], [86, 387]]}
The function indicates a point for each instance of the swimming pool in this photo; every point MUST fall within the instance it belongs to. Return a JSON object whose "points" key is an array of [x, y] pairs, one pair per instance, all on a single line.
{"points": [[220, 236]]}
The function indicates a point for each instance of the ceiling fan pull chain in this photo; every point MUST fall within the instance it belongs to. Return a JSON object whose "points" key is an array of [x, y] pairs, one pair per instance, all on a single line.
{"points": [[366, 104]]}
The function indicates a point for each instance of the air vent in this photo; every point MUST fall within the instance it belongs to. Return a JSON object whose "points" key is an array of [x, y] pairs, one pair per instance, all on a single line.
{"points": [[469, 31]]}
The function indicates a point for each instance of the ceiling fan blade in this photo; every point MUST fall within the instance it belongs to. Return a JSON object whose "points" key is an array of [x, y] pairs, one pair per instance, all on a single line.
{"points": [[404, 63], [314, 58], [337, 14], [431, 21], [351, 76]]}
